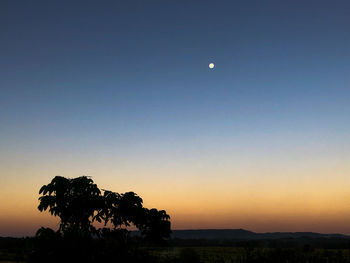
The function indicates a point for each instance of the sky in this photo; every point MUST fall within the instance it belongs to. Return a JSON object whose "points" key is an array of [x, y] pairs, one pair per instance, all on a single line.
{"points": [[121, 91]]}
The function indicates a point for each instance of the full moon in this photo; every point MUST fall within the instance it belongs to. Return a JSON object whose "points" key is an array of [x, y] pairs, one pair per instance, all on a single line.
{"points": [[211, 65]]}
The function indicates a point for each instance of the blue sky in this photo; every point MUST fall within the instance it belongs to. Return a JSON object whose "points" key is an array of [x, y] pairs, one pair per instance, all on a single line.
{"points": [[126, 83]]}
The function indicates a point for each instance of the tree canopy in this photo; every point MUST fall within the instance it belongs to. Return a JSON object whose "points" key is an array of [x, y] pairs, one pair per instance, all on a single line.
{"points": [[78, 202]]}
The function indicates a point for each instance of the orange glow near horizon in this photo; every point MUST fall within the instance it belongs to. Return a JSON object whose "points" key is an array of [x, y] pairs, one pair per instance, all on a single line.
{"points": [[265, 204]]}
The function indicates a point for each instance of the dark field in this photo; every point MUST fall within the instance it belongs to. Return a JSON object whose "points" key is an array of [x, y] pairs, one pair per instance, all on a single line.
{"points": [[240, 255], [213, 254]]}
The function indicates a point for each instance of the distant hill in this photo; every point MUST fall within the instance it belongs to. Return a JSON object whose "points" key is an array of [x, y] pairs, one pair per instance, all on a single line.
{"points": [[241, 234], [223, 234]]}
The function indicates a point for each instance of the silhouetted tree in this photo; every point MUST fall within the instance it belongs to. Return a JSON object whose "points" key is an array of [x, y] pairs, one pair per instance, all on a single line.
{"points": [[121, 209], [74, 201], [46, 234], [78, 202], [155, 225], [126, 210]]}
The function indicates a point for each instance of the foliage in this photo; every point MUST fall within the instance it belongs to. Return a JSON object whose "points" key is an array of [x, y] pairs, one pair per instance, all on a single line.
{"points": [[155, 225], [121, 209], [78, 202], [73, 200]]}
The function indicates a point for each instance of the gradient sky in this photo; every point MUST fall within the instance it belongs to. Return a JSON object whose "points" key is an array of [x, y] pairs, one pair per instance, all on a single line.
{"points": [[121, 91]]}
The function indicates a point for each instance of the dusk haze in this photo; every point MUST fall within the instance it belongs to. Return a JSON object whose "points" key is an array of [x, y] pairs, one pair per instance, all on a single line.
{"points": [[226, 114]]}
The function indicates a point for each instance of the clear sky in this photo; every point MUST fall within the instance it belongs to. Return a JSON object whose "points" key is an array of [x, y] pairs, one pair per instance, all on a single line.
{"points": [[121, 91]]}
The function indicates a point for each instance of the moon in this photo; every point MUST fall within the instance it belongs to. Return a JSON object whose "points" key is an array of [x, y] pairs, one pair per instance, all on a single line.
{"points": [[211, 65]]}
